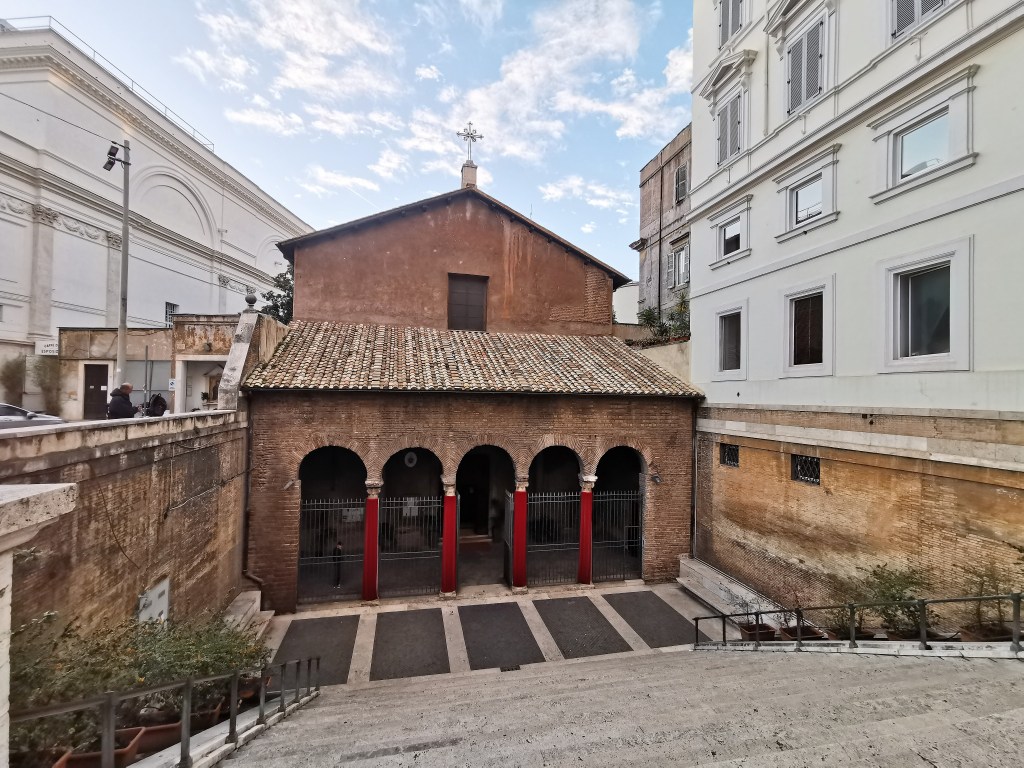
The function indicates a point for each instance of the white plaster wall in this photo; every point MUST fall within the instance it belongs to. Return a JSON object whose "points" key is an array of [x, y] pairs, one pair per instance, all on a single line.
{"points": [[625, 301], [981, 202]]}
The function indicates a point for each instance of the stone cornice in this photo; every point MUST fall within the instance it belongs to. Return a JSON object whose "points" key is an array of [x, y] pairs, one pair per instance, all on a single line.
{"points": [[48, 58]]}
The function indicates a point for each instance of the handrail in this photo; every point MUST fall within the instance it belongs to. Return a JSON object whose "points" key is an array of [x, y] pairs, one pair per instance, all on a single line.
{"points": [[107, 703], [920, 604]]}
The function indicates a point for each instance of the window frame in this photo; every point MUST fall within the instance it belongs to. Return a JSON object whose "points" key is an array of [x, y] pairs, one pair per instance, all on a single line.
{"points": [[954, 96], [739, 7], [824, 165], [685, 183], [680, 259], [920, 18], [826, 287], [723, 458], [958, 254], [734, 95], [483, 279], [739, 210], [791, 41], [170, 308], [732, 374]]}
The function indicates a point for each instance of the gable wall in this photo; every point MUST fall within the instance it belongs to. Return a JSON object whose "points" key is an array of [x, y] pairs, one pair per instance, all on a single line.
{"points": [[396, 273]]}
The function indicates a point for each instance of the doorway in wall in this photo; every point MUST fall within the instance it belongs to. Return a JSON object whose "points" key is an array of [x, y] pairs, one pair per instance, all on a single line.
{"points": [[483, 480], [94, 401]]}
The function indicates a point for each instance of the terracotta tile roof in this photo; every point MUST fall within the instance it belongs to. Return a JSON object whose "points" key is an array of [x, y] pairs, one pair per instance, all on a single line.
{"points": [[334, 356]]}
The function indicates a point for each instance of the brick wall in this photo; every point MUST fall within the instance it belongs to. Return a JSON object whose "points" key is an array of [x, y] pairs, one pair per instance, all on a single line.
{"points": [[785, 538], [161, 497], [288, 425]]}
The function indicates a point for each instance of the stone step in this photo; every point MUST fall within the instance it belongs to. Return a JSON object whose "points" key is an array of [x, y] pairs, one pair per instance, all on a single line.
{"points": [[241, 610], [260, 622]]}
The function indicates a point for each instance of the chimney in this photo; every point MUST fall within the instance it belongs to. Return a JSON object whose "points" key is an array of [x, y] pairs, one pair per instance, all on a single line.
{"points": [[468, 174]]}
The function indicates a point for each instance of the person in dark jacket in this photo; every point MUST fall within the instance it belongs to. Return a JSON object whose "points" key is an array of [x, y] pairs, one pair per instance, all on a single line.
{"points": [[120, 406]]}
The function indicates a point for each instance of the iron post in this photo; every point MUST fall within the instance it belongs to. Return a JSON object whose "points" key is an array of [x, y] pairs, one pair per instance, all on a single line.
{"points": [[853, 625], [1015, 644], [922, 621], [233, 709], [108, 718], [185, 761]]}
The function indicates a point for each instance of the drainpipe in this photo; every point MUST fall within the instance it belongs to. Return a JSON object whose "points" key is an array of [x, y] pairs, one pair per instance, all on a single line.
{"points": [[661, 218], [693, 485]]}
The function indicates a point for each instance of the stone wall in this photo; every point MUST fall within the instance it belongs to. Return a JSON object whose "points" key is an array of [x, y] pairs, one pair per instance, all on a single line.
{"points": [[886, 502], [156, 498], [286, 426]]}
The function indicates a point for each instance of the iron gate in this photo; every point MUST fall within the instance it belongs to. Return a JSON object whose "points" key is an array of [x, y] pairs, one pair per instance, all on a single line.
{"points": [[330, 549], [410, 545], [510, 507], [618, 535], [552, 538]]}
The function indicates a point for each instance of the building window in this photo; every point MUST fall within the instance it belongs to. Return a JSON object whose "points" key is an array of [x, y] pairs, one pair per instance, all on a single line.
{"points": [[730, 339], [730, 19], [928, 138], [680, 183], [923, 311], [681, 266], [807, 200], [909, 13], [467, 303], [729, 122], [924, 146], [806, 469], [169, 310], [729, 455], [809, 328], [732, 232], [806, 67], [928, 310]]}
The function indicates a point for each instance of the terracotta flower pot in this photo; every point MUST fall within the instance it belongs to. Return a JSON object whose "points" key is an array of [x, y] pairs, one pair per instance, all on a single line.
{"points": [[988, 633], [158, 737], [806, 633], [760, 632], [126, 741]]}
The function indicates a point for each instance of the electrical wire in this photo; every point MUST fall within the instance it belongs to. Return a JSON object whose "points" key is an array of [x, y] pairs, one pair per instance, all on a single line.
{"points": [[55, 117]]}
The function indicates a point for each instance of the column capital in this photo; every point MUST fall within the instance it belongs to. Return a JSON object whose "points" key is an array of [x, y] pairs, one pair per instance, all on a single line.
{"points": [[587, 482], [44, 215], [373, 488], [449, 488], [113, 240], [522, 483]]}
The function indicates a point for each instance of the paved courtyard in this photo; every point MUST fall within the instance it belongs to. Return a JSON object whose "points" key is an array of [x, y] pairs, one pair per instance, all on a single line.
{"points": [[486, 631]]}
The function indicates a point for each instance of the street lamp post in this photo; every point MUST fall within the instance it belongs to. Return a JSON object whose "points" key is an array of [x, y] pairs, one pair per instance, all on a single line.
{"points": [[122, 313]]}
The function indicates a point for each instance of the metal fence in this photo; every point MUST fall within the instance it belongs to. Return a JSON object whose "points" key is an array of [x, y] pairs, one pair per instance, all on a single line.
{"points": [[410, 545], [552, 538], [509, 515], [618, 535], [331, 548]]}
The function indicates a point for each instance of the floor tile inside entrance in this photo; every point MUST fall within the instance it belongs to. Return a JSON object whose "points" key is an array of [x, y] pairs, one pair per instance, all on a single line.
{"points": [[397, 642]]}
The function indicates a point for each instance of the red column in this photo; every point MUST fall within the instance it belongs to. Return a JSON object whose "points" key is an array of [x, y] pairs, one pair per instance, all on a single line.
{"points": [[519, 539], [370, 546], [449, 545], [585, 572]]}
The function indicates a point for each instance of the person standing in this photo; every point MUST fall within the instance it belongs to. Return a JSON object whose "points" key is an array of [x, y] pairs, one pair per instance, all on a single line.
{"points": [[120, 406]]}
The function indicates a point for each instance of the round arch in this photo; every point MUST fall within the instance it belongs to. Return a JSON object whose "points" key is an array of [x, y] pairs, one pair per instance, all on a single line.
{"points": [[412, 472], [151, 179], [332, 472], [621, 468], [555, 469]]}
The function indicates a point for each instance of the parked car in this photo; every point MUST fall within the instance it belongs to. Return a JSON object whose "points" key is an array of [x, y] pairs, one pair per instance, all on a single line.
{"points": [[12, 417]]}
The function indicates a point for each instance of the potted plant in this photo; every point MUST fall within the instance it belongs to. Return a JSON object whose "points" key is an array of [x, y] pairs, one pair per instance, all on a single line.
{"points": [[900, 589], [988, 619], [752, 605], [844, 591]]}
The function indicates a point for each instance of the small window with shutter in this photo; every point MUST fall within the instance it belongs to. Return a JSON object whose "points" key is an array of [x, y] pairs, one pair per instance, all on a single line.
{"points": [[729, 129], [908, 13], [806, 65], [730, 20], [680, 183]]}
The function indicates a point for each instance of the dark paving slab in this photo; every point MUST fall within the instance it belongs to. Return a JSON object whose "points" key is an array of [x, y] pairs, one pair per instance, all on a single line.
{"points": [[497, 635], [658, 623], [578, 628], [331, 638], [409, 644]]}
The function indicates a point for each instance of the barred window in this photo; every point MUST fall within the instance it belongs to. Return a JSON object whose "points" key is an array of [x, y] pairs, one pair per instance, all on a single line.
{"points": [[730, 455], [169, 311], [807, 469], [467, 303]]}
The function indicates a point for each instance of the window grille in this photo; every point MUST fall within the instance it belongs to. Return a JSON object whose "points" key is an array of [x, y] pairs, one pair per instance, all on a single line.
{"points": [[807, 469], [729, 455], [169, 310], [467, 303]]}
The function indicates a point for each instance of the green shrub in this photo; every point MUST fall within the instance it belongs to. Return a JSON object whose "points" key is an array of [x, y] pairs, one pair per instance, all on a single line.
{"points": [[886, 585], [12, 379], [46, 375]]}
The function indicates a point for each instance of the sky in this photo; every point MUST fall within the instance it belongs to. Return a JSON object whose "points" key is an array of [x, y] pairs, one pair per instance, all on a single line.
{"points": [[343, 108]]}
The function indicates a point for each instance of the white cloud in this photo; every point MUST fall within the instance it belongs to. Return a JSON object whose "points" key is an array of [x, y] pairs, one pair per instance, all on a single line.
{"points": [[483, 13], [591, 192], [428, 73], [389, 164], [448, 94], [229, 71], [260, 101], [320, 177], [588, 227], [271, 120]]}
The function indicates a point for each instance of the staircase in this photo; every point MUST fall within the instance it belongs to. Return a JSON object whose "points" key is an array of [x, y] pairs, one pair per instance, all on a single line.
{"points": [[244, 613], [670, 708]]}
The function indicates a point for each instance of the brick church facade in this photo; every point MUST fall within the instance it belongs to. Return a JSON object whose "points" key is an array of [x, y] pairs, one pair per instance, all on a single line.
{"points": [[449, 408]]}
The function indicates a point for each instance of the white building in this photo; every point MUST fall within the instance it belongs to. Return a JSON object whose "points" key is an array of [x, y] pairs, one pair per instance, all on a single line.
{"points": [[202, 234], [857, 173]]}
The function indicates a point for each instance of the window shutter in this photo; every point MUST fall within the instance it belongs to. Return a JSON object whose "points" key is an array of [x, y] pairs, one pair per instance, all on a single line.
{"points": [[734, 126], [813, 61], [723, 134], [927, 6], [680, 183], [796, 74], [686, 266], [671, 271], [737, 15], [724, 25], [905, 15]]}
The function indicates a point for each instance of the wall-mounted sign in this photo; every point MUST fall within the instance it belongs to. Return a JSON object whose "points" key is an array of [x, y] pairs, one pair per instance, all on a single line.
{"points": [[47, 347], [172, 384]]}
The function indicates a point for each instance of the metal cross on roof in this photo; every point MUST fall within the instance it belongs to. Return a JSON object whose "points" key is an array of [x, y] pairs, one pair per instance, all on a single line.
{"points": [[469, 135]]}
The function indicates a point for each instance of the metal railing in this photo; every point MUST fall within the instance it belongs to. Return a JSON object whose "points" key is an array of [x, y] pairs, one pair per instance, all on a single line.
{"points": [[107, 704], [854, 610]]}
